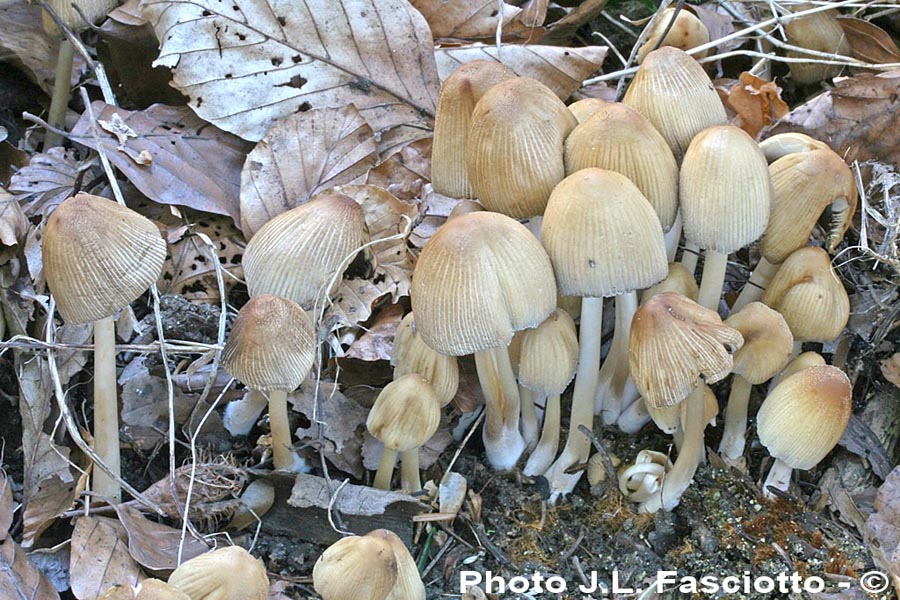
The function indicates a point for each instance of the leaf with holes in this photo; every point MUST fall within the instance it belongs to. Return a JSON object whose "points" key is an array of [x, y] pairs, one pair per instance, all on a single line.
{"points": [[48, 179]]}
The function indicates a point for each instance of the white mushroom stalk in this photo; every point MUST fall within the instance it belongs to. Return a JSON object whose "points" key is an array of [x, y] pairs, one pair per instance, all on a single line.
{"points": [[503, 443], [615, 390]]}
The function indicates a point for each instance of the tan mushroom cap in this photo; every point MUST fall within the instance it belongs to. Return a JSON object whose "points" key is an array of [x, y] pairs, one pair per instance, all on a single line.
{"points": [[810, 296], [154, 589], [674, 92], [225, 574], [412, 355], [804, 361], [356, 567], [782, 144], [99, 256], [459, 94], [295, 254], [725, 190], [272, 345], [479, 279], [406, 413], [685, 33], [621, 139], [584, 108], [674, 342], [549, 354], [802, 419], [679, 280], [88, 13], [409, 584], [821, 32], [602, 235], [464, 207], [767, 342], [515, 153]]}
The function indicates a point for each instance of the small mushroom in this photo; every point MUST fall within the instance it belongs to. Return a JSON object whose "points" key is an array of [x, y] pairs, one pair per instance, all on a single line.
{"points": [[412, 355], [583, 109], [804, 361], [682, 30], [256, 501], [409, 584], [821, 32], [229, 573]]}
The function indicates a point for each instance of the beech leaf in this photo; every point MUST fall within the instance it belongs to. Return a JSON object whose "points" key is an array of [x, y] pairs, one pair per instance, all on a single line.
{"points": [[100, 558], [869, 42], [467, 19]]}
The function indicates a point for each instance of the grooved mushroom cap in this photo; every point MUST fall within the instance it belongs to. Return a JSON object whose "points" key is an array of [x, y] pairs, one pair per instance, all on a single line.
{"points": [[679, 280], [602, 235], [810, 296], [99, 257], [586, 107], [272, 345], [767, 342], [295, 254], [820, 32], [356, 568], [803, 418], [804, 361], [479, 279], [515, 153], [412, 355], [726, 192], [225, 574], [685, 33], [620, 139], [409, 585], [93, 11], [154, 589], [782, 144], [805, 185], [459, 94], [674, 92], [406, 413], [675, 341], [549, 354]]}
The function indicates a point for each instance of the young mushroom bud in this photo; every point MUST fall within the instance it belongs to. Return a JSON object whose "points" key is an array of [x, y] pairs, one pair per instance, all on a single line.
{"points": [[804, 361], [256, 501], [583, 109], [356, 568], [412, 355], [684, 31], [225, 574]]}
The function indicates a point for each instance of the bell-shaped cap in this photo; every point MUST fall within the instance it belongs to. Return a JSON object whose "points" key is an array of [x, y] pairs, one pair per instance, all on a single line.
{"points": [[602, 235], [679, 280], [515, 153], [803, 418], [674, 342], [99, 256], [584, 108], [272, 345], [409, 584], [412, 355], [821, 32], [225, 574], [406, 413], [674, 92], [549, 354], [726, 192], [804, 361], [297, 253], [686, 32], [356, 568], [620, 139], [767, 342], [459, 94], [479, 279], [810, 296]]}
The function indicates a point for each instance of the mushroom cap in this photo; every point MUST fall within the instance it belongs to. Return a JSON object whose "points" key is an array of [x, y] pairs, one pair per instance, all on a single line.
{"points": [[584, 108], [464, 207], [725, 190], [412, 355], [674, 92], [93, 11], [295, 254], [804, 361], [406, 413], [803, 418], [602, 235], [685, 33], [225, 574], [154, 589], [459, 94], [272, 345], [675, 341], [805, 184], [549, 354], [99, 256], [810, 296], [782, 144], [768, 342], [480, 278], [679, 280], [619, 138], [409, 584], [821, 32], [356, 568], [515, 153]]}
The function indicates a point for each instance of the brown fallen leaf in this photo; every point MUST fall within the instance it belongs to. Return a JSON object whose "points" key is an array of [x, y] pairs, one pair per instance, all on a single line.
{"points": [[48, 179], [13, 225], [100, 558], [869, 42], [18, 576], [468, 19], [404, 173], [154, 545], [757, 103], [890, 368], [341, 419], [561, 31], [6, 505], [883, 527], [377, 342]]}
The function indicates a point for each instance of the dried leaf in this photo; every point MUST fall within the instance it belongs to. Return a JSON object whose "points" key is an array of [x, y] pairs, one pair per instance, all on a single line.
{"points": [[869, 42], [53, 496], [757, 103], [563, 29], [154, 545], [6, 505], [128, 14], [301, 155], [340, 416], [883, 527], [378, 340], [468, 19], [296, 56], [100, 558], [13, 225], [404, 173], [311, 491], [719, 24], [19, 579], [48, 179], [890, 368]]}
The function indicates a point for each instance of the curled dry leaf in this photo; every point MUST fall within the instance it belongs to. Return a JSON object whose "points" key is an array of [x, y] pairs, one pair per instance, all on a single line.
{"points": [[468, 19], [246, 63], [301, 155], [757, 103], [404, 173], [99, 559], [154, 545], [48, 179], [869, 42]]}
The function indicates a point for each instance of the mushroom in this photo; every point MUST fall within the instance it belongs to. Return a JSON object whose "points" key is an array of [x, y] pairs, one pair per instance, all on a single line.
{"points": [[147, 589], [803, 361], [583, 109], [256, 501], [767, 348], [682, 30], [98, 257], [405, 415], [679, 280], [480, 278], [411, 355], [725, 194], [801, 420], [820, 32], [640, 480], [229, 573], [409, 584], [271, 349], [604, 239]]}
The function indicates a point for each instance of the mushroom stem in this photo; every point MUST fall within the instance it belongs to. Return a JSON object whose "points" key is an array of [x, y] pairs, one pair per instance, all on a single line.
{"points": [[241, 414], [713, 280], [578, 445], [689, 256], [735, 432], [672, 237], [614, 388], [755, 287], [534, 225], [281, 430], [106, 408], [60, 100], [634, 417], [529, 421], [544, 453], [385, 469], [503, 443], [779, 478], [409, 471]]}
